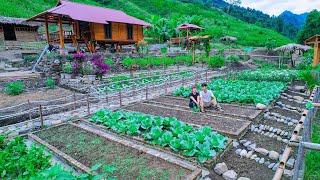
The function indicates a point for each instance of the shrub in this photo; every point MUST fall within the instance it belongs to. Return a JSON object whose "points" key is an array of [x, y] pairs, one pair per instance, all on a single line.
{"points": [[185, 59], [128, 62], [14, 88], [167, 61], [142, 63], [154, 61], [233, 58], [67, 68], [50, 83], [216, 61], [30, 58]]}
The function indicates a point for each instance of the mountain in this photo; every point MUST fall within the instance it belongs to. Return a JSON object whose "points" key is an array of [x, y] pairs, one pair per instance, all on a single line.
{"points": [[296, 20], [215, 21]]}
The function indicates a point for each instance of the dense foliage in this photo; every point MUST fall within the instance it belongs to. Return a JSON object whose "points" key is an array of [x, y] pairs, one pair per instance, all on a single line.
{"points": [[164, 131], [215, 61], [17, 161], [311, 27], [50, 83], [215, 22], [266, 75], [240, 91], [14, 88]]}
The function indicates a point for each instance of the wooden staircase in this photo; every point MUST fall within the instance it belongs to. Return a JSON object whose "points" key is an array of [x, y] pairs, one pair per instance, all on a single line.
{"points": [[87, 43]]}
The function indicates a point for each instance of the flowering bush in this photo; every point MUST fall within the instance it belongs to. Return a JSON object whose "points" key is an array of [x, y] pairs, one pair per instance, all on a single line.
{"points": [[100, 66], [79, 57]]}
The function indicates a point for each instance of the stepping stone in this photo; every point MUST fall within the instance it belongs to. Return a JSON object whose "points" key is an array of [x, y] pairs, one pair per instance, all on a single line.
{"points": [[266, 163], [235, 144], [253, 156], [243, 178], [271, 165], [273, 155], [249, 154], [261, 161], [220, 168], [243, 141], [262, 151], [230, 175], [271, 135], [243, 153], [247, 143], [274, 168], [252, 147], [257, 159], [238, 151]]}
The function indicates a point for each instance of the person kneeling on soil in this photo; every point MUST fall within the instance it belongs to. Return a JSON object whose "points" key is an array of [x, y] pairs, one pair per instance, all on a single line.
{"points": [[194, 98], [207, 99]]}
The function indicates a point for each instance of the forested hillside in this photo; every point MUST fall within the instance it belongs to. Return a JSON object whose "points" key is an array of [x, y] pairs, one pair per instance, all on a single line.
{"points": [[297, 20], [215, 21]]}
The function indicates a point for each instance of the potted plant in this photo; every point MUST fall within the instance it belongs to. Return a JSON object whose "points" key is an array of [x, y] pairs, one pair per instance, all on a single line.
{"points": [[90, 72], [67, 70]]}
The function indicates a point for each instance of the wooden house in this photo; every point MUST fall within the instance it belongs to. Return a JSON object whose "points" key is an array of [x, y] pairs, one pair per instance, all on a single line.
{"points": [[13, 31], [90, 25]]}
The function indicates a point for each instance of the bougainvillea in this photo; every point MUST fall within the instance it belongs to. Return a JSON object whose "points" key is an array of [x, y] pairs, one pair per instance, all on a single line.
{"points": [[79, 57], [100, 66]]}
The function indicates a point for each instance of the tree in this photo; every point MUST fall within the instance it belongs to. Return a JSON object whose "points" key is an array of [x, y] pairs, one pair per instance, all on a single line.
{"points": [[311, 27], [233, 3]]}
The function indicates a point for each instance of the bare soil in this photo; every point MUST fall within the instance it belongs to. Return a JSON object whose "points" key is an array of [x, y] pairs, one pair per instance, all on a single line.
{"points": [[277, 125], [40, 94], [228, 109], [224, 125], [90, 149], [291, 103]]}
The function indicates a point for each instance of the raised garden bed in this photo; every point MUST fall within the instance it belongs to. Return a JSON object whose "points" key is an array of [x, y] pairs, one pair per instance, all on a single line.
{"points": [[208, 164], [228, 126], [233, 110], [90, 147], [287, 113]]}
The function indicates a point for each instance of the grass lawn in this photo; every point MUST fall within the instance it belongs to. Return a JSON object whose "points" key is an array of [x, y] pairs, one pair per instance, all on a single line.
{"points": [[313, 156]]}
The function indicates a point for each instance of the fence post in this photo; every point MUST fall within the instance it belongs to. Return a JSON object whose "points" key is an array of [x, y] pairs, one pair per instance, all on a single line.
{"points": [[166, 89], [170, 80], [29, 106], [146, 92], [120, 98], [74, 101], [88, 105], [206, 76], [41, 116], [107, 100]]}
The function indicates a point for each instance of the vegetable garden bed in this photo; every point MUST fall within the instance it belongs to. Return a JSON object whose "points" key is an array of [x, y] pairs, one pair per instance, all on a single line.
{"points": [[233, 110], [286, 113], [225, 125], [208, 164], [90, 147]]}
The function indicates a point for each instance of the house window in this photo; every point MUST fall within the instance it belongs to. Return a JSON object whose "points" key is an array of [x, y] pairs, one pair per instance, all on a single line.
{"points": [[108, 31], [130, 31]]}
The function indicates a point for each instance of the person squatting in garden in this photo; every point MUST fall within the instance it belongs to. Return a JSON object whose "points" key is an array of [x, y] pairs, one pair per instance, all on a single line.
{"points": [[194, 98], [207, 99]]}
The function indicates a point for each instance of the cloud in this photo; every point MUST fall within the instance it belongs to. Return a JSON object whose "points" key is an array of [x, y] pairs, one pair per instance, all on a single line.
{"points": [[278, 6]]}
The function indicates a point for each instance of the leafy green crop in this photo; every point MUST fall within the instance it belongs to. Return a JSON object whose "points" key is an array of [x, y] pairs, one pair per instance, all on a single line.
{"points": [[240, 91], [266, 75], [164, 131], [50, 83]]}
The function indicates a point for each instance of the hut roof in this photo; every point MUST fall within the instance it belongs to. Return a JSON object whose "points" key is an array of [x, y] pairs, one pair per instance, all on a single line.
{"points": [[228, 38], [17, 21], [95, 14], [189, 26], [293, 47]]}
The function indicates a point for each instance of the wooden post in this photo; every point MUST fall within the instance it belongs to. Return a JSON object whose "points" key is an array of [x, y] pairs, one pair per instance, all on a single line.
{"points": [[46, 28], [137, 47], [206, 76], [41, 116], [29, 106], [193, 53], [107, 99], [316, 52], [61, 35], [74, 101], [117, 47], [120, 98], [121, 48], [146, 92], [88, 105]]}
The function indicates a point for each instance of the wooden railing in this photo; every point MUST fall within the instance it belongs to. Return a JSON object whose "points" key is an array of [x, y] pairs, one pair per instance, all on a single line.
{"points": [[54, 36]]}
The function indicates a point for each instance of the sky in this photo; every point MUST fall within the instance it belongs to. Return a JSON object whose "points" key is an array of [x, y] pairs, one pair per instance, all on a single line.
{"points": [[276, 7]]}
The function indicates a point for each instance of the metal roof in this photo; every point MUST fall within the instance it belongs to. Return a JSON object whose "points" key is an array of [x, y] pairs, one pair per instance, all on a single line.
{"points": [[89, 13]]}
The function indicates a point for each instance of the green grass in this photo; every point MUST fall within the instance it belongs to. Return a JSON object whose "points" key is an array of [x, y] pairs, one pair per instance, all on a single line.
{"points": [[313, 156], [215, 22]]}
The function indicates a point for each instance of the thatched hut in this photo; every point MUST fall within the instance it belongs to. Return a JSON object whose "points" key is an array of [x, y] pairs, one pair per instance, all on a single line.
{"points": [[15, 30], [228, 39], [291, 49]]}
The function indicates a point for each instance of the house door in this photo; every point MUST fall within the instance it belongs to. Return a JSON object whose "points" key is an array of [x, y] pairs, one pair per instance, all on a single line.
{"points": [[9, 33]]}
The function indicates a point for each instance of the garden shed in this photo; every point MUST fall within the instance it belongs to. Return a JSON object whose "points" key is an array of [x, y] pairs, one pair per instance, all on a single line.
{"points": [[90, 25], [16, 30]]}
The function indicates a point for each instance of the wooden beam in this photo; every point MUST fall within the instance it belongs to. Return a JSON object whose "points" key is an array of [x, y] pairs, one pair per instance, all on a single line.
{"points": [[137, 47], [47, 28], [121, 48], [117, 47], [92, 37], [61, 32]]}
